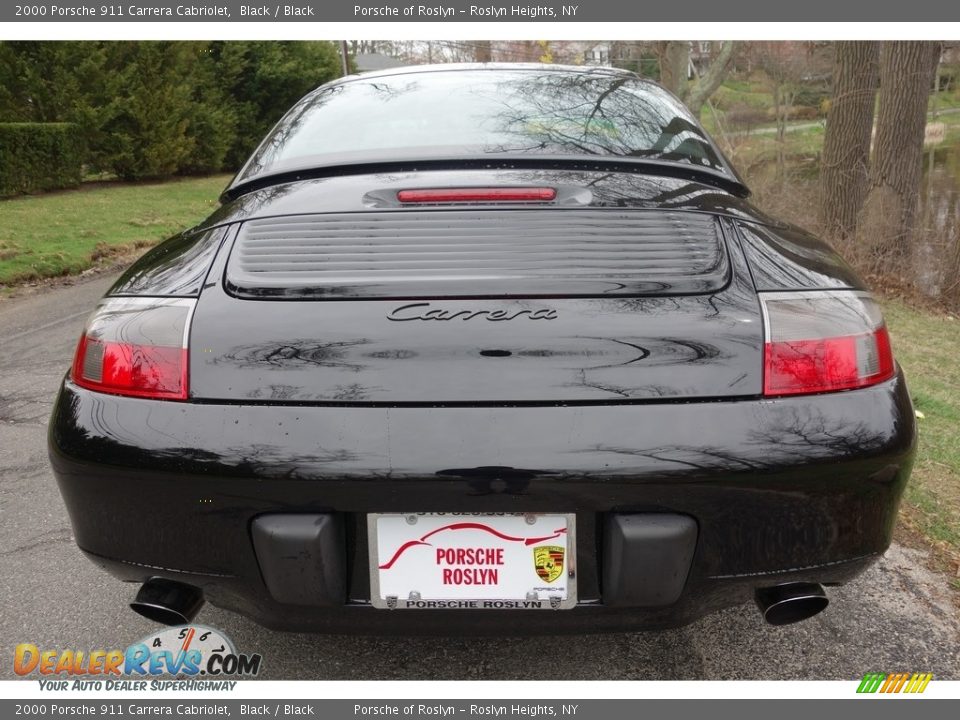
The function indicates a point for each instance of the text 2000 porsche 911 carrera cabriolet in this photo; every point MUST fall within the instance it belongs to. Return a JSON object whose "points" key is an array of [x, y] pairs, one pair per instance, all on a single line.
{"points": [[484, 349]]}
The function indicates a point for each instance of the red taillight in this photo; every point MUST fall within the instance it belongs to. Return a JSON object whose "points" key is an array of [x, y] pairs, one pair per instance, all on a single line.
{"points": [[823, 342], [452, 195], [135, 347]]}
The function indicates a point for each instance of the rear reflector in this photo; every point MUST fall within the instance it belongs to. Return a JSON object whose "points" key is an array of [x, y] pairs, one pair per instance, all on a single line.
{"points": [[458, 195], [823, 342], [135, 347]]}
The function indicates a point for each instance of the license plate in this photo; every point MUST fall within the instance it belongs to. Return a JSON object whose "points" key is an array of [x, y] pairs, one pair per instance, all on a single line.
{"points": [[524, 561]]}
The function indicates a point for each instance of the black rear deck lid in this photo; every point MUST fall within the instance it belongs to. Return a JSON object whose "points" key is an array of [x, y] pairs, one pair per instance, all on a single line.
{"points": [[478, 253]]}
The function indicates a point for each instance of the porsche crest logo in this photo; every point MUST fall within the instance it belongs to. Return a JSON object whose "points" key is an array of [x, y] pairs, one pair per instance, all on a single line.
{"points": [[548, 561]]}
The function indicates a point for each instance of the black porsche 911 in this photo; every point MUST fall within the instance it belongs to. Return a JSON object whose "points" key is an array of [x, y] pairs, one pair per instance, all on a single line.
{"points": [[485, 349]]}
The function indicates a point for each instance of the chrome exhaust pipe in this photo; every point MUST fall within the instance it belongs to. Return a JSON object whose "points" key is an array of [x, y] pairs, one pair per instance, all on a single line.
{"points": [[791, 602], [168, 602]]}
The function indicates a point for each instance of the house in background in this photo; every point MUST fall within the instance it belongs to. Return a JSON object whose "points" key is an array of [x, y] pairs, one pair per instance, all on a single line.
{"points": [[367, 62], [598, 54]]}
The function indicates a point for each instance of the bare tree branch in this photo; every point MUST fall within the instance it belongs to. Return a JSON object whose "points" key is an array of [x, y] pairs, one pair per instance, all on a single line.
{"points": [[706, 85]]}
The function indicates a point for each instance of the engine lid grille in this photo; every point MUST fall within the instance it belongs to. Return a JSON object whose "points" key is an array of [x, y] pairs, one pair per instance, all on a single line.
{"points": [[478, 253]]}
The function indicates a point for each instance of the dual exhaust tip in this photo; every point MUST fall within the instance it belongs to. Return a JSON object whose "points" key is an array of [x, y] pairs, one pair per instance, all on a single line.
{"points": [[172, 603]]}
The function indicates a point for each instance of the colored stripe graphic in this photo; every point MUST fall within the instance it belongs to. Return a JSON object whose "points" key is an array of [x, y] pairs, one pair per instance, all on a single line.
{"points": [[871, 682], [901, 679], [894, 683]]}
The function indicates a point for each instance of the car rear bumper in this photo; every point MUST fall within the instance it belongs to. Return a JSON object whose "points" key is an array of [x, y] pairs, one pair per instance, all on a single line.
{"points": [[803, 488]]}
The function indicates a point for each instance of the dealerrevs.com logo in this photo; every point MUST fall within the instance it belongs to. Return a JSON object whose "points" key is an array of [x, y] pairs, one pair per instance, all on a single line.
{"points": [[188, 651]]}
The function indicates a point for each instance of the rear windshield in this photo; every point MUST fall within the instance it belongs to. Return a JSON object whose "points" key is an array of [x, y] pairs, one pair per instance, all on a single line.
{"points": [[471, 113]]}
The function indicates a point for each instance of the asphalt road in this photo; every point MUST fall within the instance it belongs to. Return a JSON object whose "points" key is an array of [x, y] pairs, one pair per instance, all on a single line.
{"points": [[896, 617]]}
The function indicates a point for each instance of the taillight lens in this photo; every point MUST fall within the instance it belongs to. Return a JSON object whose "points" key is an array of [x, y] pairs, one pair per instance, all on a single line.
{"points": [[136, 347], [823, 342]]}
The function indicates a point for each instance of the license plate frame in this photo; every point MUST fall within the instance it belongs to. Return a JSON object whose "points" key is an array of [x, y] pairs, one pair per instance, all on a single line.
{"points": [[511, 532]]}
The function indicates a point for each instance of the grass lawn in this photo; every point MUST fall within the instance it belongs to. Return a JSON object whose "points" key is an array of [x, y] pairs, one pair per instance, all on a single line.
{"points": [[755, 95], [66, 232], [744, 93], [927, 344]]}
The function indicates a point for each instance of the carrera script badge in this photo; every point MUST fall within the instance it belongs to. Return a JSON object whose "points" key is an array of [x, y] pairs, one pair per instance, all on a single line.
{"points": [[425, 311], [548, 561]]}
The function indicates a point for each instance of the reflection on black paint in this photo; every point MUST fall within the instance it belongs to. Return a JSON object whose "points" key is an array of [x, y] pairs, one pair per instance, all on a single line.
{"points": [[176, 267], [494, 479], [292, 355], [788, 258]]}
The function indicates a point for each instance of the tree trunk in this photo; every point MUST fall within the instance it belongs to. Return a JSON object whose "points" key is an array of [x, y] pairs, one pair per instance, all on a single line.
{"points": [[674, 61], [484, 51], [707, 85], [935, 109], [844, 168], [781, 132], [887, 220]]}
